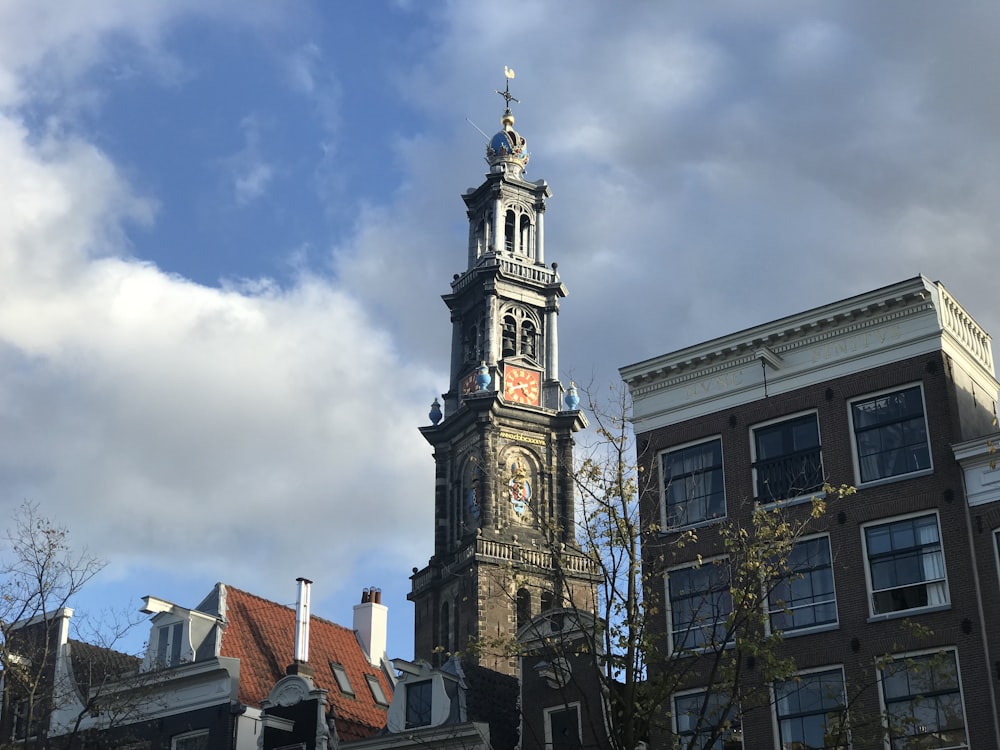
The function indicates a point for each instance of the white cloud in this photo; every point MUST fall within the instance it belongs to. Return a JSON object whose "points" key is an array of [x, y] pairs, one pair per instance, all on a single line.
{"points": [[184, 427]]}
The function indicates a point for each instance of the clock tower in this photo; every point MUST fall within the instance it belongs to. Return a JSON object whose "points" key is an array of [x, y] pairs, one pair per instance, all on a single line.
{"points": [[504, 534]]}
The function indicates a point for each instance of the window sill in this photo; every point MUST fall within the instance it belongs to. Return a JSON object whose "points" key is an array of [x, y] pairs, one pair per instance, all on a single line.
{"points": [[695, 652], [672, 530], [896, 478], [798, 632], [909, 612], [797, 500]]}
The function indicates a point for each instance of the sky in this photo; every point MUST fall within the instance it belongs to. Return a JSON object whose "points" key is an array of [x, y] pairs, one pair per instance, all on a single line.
{"points": [[225, 227]]}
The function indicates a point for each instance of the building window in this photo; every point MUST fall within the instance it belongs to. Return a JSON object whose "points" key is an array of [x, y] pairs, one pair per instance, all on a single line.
{"points": [[693, 484], [923, 701], [700, 604], [190, 741], [376, 689], [890, 434], [418, 704], [169, 639], [905, 565], [706, 720], [340, 675], [811, 711], [562, 728], [805, 597], [787, 459]]}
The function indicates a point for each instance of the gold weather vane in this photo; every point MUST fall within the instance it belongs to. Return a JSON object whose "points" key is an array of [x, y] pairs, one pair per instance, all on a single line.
{"points": [[506, 92]]}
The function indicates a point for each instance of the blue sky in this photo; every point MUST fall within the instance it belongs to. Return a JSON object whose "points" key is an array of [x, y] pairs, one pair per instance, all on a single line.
{"points": [[226, 227]]}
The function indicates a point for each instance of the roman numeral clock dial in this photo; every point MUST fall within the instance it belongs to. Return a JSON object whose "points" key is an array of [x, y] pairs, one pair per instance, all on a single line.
{"points": [[521, 385]]}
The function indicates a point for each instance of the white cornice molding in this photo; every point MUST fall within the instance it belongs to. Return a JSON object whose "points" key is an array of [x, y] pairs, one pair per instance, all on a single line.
{"points": [[907, 319]]}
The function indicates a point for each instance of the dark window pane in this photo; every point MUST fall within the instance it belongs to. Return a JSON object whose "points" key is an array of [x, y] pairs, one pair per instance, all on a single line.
{"points": [[418, 704]]}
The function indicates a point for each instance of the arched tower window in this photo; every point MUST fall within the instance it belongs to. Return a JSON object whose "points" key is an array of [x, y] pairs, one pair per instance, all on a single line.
{"points": [[525, 236], [509, 338], [510, 223], [519, 334], [480, 238], [472, 344], [445, 631], [471, 488], [523, 607], [528, 339]]}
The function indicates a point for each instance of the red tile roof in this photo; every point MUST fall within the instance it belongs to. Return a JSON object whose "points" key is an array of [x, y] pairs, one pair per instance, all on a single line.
{"points": [[261, 634]]}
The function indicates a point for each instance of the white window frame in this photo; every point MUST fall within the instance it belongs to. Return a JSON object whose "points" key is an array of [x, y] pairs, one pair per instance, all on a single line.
{"points": [[675, 715], [870, 583], [854, 436], [753, 458], [670, 608], [548, 712], [187, 736], [805, 673], [172, 630], [917, 655], [665, 522], [811, 628]]}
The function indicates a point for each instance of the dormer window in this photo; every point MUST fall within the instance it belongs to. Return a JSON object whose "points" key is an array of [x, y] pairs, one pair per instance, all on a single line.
{"points": [[418, 704], [168, 644]]}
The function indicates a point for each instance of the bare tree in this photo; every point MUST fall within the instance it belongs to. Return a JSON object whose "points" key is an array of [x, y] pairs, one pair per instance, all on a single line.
{"points": [[45, 672], [641, 663]]}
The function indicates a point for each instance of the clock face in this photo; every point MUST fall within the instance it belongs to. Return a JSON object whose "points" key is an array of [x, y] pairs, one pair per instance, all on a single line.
{"points": [[521, 386], [468, 384]]}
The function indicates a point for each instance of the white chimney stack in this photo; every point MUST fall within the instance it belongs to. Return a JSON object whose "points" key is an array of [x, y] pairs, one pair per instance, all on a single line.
{"points": [[302, 614], [371, 619]]}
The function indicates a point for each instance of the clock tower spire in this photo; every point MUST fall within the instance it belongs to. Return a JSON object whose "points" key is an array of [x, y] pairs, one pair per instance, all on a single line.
{"points": [[504, 536]]}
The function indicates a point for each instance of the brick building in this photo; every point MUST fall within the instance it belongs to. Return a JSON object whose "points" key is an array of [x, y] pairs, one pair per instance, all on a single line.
{"points": [[880, 391]]}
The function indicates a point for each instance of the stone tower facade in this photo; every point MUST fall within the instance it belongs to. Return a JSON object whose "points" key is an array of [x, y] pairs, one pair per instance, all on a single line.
{"points": [[504, 538]]}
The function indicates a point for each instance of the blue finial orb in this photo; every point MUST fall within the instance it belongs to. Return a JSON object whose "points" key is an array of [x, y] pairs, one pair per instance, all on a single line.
{"points": [[483, 377], [436, 414], [572, 398]]}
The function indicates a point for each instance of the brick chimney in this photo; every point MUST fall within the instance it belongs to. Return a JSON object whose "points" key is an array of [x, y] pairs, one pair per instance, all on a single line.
{"points": [[371, 625]]}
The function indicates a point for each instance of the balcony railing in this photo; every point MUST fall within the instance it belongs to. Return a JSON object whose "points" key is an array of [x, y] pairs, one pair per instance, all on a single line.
{"points": [[492, 550], [792, 475]]}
